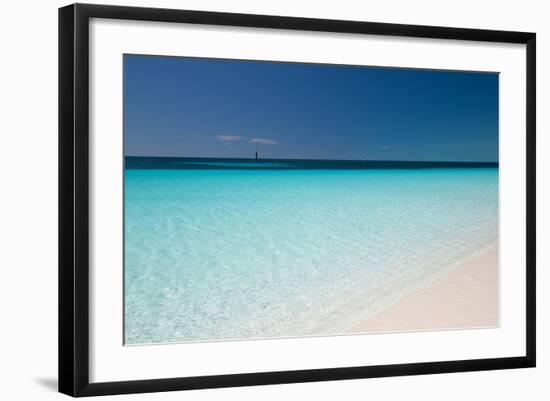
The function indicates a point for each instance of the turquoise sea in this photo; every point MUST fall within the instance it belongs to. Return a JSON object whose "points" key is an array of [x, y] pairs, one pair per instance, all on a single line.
{"points": [[219, 249]]}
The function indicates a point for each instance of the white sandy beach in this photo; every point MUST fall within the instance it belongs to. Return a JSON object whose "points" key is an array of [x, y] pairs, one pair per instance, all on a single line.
{"points": [[466, 297]]}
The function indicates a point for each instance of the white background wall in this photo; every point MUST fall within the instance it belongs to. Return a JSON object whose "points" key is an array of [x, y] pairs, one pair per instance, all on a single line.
{"points": [[28, 198]]}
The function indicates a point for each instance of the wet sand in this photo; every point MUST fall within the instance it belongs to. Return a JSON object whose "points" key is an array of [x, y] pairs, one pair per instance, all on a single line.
{"points": [[466, 297]]}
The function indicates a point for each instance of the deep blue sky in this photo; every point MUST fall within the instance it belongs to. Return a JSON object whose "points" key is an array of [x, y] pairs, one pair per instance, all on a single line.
{"points": [[225, 108]]}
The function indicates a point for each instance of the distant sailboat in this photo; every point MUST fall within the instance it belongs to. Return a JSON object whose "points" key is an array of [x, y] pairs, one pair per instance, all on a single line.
{"points": [[256, 153]]}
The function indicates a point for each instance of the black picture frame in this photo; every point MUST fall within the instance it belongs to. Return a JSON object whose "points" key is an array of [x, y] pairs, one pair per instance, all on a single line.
{"points": [[74, 199]]}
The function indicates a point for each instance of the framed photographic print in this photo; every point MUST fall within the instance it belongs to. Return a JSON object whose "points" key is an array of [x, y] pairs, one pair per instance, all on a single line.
{"points": [[248, 199]]}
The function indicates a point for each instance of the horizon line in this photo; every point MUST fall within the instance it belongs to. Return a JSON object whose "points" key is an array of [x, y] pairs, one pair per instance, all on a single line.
{"points": [[306, 159]]}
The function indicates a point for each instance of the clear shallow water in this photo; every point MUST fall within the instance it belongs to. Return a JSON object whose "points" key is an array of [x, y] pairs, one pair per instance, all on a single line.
{"points": [[214, 254]]}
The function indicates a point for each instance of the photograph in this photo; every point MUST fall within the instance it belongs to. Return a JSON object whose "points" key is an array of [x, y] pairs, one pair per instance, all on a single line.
{"points": [[272, 198], [267, 199]]}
